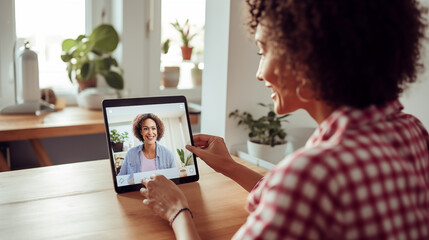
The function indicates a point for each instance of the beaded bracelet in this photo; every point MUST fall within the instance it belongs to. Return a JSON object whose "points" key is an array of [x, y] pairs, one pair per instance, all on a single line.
{"points": [[181, 210]]}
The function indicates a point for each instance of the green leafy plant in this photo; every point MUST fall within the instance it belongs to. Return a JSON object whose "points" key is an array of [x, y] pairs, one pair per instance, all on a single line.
{"points": [[264, 130], [184, 31], [185, 160], [89, 56], [165, 46], [116, 137]]}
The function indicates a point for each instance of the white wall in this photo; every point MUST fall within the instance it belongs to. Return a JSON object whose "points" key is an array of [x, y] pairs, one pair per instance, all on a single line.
{"points": [[134, 48], [215, 73], [416, 98]]}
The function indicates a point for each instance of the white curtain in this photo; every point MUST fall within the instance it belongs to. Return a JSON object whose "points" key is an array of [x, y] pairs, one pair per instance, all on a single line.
{"points": [[176, 135]]}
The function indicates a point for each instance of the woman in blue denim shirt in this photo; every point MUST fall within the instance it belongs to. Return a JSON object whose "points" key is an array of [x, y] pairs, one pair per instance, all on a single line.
{"points": [[150, 155]]}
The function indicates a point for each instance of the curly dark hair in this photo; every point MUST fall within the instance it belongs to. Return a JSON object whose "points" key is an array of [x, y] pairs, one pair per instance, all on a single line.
{"points": [[137, 125], [357, 52]]}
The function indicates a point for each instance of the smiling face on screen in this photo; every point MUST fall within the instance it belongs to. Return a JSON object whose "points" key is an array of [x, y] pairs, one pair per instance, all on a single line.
{"points": [[149, 131]]}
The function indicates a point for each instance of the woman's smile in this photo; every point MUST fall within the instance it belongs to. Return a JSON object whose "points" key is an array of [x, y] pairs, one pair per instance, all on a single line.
{"points": [[150, 137]]}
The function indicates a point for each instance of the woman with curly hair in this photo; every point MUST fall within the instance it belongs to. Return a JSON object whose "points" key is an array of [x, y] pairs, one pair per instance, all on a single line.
{"points": [[364, 173], [150, 155]]}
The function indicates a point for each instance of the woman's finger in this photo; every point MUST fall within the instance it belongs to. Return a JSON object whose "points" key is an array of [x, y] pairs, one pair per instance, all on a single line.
{"points": [[202, 137], [145, 181], [144, 192]]}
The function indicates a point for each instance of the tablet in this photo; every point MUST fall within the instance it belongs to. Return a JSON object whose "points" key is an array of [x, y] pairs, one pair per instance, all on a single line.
{"points": [[147, 136]]}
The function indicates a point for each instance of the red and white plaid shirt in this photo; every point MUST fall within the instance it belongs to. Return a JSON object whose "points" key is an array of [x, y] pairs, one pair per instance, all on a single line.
{"points": [[363, 174]]}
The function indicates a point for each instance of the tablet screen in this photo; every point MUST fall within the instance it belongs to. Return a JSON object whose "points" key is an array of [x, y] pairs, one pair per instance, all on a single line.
{"points": [[148, 136]]}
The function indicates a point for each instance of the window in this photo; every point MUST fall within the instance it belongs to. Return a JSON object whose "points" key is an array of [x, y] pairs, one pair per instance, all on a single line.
{"points": [[45, 32], [190, 71]]}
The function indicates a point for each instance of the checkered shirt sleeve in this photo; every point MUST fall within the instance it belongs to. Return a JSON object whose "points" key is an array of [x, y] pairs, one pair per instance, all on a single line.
{"points": [[364, 174]]}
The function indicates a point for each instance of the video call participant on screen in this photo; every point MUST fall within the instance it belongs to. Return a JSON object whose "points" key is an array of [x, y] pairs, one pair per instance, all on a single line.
{"points": [[150, 155]]}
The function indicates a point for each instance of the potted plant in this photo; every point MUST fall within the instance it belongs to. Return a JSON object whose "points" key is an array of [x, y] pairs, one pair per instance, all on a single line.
{"points": [[184, 161], [186, 38], [90, 56], [117, 140], [267, 138]]}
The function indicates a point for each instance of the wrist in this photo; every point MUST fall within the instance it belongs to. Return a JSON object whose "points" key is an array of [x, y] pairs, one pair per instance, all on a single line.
{"points": [[230, 168], [184, 227], [181, 215]]}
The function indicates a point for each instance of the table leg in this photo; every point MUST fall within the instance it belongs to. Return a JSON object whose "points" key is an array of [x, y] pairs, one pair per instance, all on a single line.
{"points": [[3, 163], [40, 152]]}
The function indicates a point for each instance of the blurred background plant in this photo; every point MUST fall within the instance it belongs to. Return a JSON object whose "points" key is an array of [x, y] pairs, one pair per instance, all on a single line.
{"points": [[265, 130], [89, 56]]}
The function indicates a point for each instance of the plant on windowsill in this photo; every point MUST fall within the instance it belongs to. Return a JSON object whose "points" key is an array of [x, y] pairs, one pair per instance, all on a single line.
{"points": [[184, 31], [184, 161], [117, 140], [267, 138], [90, 56]]}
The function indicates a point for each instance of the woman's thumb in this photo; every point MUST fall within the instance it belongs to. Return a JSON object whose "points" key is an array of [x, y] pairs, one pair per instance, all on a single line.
{"points": [[194, 149]]}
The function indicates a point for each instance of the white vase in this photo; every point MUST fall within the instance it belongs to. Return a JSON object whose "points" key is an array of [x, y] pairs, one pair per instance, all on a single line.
{"points": [[266, 152]]}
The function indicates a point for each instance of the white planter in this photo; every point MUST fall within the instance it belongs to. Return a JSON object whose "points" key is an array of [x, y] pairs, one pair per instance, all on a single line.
{"points": [[91, 98], [170, 77], [266, 152]]}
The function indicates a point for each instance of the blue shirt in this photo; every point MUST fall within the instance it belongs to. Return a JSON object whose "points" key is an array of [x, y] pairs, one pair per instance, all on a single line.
{"points": [[132, 164]]}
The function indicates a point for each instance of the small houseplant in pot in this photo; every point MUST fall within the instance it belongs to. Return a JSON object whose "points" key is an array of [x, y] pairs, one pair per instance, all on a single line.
{"points": [[184, 161], [117, 140], [267, 138], [90, 56], [184, 31]]}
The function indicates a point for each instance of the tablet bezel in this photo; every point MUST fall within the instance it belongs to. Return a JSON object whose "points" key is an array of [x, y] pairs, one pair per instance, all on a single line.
{"points": [[124, 102]]}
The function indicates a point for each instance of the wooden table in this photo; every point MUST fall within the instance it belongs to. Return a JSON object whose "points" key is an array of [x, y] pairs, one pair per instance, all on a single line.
{"points": [[77, 201], [70, 121]]}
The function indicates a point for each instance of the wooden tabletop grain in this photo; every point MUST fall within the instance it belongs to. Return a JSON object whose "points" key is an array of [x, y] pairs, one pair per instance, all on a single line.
{"points": [[77, 201]]}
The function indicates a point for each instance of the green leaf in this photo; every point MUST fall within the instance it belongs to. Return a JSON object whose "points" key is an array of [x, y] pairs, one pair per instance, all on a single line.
{"points": [[80, 38], [187, 160], [65, 56], [87, 71], [68, 44], [114, 62], [114, 80], [69, 73], [166, 46], [105, 38]]}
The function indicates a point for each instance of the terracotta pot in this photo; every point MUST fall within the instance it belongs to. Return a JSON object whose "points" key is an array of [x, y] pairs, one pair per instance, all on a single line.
{"points": [[183, 172], [84, 84], [186, 52]]}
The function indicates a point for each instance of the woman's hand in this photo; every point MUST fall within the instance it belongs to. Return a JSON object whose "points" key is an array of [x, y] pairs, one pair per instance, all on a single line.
{"points": [[163, 196], [213, 151]]}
